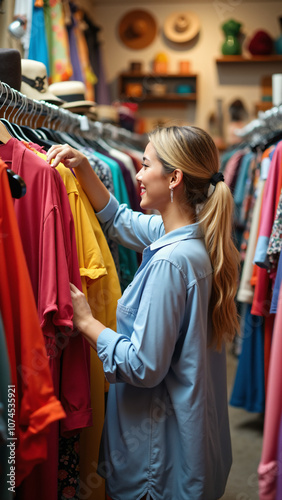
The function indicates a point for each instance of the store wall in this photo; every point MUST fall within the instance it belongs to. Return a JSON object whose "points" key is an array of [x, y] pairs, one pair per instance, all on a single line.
{"points": [[215, 81]]}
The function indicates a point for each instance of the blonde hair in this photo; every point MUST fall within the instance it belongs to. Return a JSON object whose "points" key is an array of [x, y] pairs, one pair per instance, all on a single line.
{"points": [[193, 151]]}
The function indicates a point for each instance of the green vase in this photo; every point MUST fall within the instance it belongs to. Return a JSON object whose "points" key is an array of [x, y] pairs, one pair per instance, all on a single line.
{"points": [[231, 45]]}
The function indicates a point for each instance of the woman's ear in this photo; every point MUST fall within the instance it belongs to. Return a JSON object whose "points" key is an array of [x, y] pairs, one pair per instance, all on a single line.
{"points": [[176, 177]]}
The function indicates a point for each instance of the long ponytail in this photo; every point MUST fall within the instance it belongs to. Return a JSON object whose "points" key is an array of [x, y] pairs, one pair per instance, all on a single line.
{"points": [[216, 219]]}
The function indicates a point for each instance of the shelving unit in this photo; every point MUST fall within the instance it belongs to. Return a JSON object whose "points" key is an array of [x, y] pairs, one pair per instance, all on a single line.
{"points": [[145, 85], [249, 59], [274, 59]]}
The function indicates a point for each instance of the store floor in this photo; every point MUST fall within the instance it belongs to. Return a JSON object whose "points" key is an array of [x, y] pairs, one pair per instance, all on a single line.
{"points": [[246, 435]]}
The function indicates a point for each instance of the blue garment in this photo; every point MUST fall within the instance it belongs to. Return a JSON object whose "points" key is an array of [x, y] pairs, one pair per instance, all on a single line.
{"points": [[240, 191], [166, 428], [38, 48], [276, 288], [248, 390]]}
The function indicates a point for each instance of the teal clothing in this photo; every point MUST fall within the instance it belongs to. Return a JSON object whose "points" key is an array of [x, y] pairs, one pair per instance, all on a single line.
{"points": [[127, 258]]}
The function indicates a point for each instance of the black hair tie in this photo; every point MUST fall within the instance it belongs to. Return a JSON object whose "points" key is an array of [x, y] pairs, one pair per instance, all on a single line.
{"points": [[215, 178]]}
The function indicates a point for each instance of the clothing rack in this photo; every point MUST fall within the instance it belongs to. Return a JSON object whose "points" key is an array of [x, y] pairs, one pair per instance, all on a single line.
{"points": [[267, 121], [25, 110]]}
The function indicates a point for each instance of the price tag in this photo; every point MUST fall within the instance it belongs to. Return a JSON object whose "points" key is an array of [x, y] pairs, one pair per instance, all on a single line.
{"points": [[84, 123]]}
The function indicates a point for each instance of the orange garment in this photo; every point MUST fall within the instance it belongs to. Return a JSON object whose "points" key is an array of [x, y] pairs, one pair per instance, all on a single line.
{"points": [[35, 403]]}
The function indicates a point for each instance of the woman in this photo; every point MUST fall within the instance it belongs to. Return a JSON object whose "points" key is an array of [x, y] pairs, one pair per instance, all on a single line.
{"points": [[166, 433]]}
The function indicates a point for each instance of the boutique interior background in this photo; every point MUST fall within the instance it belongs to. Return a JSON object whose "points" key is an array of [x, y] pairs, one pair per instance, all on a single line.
{"points": [[215, 81]]}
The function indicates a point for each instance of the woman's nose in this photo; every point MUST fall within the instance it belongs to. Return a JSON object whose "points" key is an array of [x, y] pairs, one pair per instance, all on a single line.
{"points": [[138, 176]]}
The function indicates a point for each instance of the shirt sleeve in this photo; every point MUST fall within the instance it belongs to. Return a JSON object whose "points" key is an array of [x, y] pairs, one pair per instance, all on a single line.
{"points": [[132, 229], [144, 359]]}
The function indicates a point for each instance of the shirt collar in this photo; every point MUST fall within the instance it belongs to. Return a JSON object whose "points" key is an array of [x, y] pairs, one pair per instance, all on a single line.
{"points": [[191, 231]]}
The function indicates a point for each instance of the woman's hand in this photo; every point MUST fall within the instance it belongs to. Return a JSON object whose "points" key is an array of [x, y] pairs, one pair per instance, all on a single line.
{"points": [[83, 318], [82, 315], [67, 155]]}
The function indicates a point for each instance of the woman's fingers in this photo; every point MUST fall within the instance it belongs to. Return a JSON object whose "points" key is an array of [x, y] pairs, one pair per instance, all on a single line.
{"points": [[65, 154], [81, 310]]}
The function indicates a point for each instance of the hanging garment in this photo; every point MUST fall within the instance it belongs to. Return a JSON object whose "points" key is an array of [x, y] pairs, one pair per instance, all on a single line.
{"points": [[246, 288], [48, 238], [275, 241], [248, 389], [276, 288], [269, 468], [127, 258], [270, 202], [102, 91], [89, 78], [36, 404], [38, 49], [241, 194], [57, 41], [102, 289], [232, 168]]}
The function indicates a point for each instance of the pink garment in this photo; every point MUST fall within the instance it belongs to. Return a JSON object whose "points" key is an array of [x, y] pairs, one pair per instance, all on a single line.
{"points": [[272, 190], [232, 167], [271, 194], [267, 469]]}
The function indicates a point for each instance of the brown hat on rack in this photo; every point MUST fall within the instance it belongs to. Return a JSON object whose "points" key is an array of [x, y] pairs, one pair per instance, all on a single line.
{"points": [[181, 27], [35, 82], [107, 114], [137, 29], [10, 68], [73, 95]]}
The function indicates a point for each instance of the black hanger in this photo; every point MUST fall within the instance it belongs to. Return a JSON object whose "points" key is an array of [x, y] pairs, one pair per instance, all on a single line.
{"points": [[271, 138], [11, 130], [33, 136], [17, 184]]}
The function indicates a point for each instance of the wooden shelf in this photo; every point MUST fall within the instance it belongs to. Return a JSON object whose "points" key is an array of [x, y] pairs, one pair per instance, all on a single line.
{"points": [[156, 76], [144, 83], [249, 59], [163, 98]]}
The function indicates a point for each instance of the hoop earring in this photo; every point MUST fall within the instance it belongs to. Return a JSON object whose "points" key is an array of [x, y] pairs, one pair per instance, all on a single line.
{"points": [[171, 195]]}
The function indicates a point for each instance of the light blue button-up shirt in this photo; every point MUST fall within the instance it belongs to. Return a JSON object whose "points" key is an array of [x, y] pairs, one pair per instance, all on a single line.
{"points": [[166, 429]]}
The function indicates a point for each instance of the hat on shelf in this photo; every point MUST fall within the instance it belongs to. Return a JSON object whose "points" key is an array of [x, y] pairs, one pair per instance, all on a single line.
{"points": [[35, 82], [10, 68], [260, 44], [181, 27], [73, 95], [137, 29]]}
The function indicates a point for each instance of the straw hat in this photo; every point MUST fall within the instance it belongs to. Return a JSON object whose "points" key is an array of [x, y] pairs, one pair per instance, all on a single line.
{"points": [[181, 27], [73, 95], [137, 29], [35, 82]]}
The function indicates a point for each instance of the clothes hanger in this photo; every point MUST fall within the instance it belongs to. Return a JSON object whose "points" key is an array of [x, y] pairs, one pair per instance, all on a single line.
{"points": [[17, 97], [47, 133], [30, 130], [13, 102], [5, 131]]}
